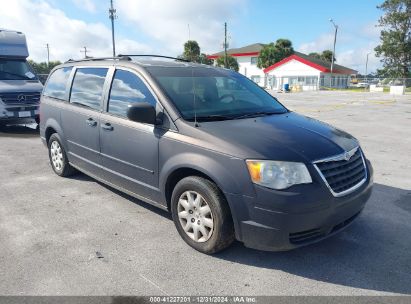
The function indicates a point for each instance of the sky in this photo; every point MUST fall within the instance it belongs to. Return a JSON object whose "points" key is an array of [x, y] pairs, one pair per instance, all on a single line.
{"points": [[162, 26]]}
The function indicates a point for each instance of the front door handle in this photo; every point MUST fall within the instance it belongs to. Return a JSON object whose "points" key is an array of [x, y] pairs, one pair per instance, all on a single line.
{"points": [[91, 122], [107, 126]]}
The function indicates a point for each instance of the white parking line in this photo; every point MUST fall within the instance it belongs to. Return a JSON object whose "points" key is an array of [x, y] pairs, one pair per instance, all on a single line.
{"points": [[154, 284]]}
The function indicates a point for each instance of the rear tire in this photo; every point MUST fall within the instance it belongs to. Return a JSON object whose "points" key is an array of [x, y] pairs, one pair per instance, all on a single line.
{"points": [[58, 157], [201, 215]]}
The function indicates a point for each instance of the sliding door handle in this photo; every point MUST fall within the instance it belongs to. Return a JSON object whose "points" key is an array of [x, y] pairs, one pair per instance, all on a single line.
{"points": [[91, 122], [107, 126]]}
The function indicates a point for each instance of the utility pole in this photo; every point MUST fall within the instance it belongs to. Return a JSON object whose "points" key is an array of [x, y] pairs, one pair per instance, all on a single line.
{"points": [[225, 45], [85, 51], [48, 54], [335, 41], [189, 36], [112, 16]]}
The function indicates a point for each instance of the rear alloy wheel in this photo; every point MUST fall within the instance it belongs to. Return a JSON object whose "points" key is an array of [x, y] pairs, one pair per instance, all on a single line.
{"points": [[58, 158], [56, 154], [201, 215]]}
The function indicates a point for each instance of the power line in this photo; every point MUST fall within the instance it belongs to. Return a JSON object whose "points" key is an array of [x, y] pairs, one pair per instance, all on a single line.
{"points": [[112, 16], [84, 51]]}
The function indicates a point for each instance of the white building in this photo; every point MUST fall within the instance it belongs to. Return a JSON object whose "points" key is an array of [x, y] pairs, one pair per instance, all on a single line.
{"points": [[298, 71], [247, 61]]}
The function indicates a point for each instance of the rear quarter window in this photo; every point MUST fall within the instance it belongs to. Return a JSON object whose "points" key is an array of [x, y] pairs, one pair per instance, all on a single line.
{"points": [[56, 86]]}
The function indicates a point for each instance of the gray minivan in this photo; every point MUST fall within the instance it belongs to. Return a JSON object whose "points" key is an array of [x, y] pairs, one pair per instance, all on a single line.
{"points": [[207, 144]]}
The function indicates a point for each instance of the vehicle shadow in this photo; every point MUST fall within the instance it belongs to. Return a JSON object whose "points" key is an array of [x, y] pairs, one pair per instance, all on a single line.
{"points": [[373, 253], [19, 131], [83, 177]]}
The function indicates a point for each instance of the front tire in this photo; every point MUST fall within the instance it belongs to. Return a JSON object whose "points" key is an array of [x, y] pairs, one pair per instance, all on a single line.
{"points": [[58, 157], [201, 215]]}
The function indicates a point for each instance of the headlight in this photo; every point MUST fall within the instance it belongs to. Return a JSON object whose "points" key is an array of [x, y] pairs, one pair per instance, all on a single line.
{"points": [[278, 174]]}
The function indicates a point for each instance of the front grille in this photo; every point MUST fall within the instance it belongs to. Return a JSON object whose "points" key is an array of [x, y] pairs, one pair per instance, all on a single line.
{"points": [[343, 175], [306, 236], [20, 98], [311, 235]]}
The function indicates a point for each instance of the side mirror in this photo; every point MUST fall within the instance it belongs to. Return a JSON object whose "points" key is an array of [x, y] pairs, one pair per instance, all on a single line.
{"points": [[142, 112]]}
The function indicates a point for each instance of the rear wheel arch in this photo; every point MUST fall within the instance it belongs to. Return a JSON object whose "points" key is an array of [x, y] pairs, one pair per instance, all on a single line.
{"points": [[49, 131], [52, 126]]}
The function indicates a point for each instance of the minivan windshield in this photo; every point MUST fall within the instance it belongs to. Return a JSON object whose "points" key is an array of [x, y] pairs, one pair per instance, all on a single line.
{"points": [[214, 94], [16, 69]]}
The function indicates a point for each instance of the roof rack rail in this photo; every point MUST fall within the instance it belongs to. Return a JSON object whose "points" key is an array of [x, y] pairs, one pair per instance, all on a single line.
{"points": [[120, 57], [156, 56]]}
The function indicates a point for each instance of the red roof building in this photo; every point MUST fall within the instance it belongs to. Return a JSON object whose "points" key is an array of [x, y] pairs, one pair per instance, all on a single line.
{"points": [[298, 70]]}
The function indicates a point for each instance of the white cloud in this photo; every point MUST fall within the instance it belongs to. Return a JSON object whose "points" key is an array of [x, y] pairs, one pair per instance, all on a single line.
{"points": [[87, 5], [44, 24], [352, 48], [370, 31], [356, 59], [323, 42], [167, 21]]}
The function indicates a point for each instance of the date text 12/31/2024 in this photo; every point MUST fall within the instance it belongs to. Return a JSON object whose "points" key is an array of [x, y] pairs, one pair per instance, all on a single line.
{"points": [[203, 299]]}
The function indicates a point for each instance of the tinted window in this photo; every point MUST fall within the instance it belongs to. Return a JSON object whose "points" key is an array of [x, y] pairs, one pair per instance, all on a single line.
{"points": [[56, 86], [210, 93], [127, 89], [87, 89]]}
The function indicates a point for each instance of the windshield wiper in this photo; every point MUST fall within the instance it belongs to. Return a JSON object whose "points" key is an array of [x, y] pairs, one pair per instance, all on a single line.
{"points": [[213, 117], [256, 114]]}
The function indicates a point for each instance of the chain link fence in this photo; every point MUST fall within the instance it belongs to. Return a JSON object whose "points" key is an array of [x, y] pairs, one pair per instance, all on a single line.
{"points": [[374, 84]]}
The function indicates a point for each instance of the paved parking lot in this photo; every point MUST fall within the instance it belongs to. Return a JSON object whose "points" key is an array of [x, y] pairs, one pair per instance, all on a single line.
{"points": [[75, 236]]}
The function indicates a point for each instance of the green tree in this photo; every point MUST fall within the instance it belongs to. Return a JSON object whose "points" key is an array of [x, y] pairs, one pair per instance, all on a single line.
{"points": [[231, 62], [315, 55], [274, 52], [191, 51], [326, 55], [395, 37], [42, 67], [204, 59]]}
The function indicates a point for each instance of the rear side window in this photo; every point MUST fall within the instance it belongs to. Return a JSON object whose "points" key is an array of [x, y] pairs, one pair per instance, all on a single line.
{"points": [[87, 89], [57, 83], [126, 89]]}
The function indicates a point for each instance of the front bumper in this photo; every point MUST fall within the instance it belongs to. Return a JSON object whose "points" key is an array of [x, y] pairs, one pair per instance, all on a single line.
{"points": [[283, 220], [19, 114]]}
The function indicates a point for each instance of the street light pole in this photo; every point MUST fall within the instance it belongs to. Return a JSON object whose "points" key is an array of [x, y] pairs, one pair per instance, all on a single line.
{"points": [[366, 67], [335, 41], [225, 46]]}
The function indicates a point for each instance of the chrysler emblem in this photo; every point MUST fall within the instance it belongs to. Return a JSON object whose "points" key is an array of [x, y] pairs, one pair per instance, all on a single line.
{"points": [[347, 156], [21, 98]]}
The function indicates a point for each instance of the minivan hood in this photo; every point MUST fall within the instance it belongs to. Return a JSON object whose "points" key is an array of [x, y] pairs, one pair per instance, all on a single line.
{"points": [[11, 86], [287, 136]]}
